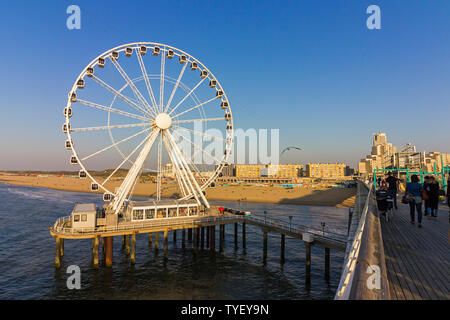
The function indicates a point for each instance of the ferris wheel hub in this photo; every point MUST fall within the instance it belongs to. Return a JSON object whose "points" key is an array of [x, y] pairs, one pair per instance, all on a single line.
{"points": [[163, 121]]}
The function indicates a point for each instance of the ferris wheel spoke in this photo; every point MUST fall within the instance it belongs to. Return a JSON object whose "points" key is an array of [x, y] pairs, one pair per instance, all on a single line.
{"points": [[110, 127], [161, 82], [200, 133], [126, 159], [180, 178], [194, 107], [183, 170], [115, 144], [131, 84], [199, 120], [197, 147], [187, 95], [188, 170], [147, 81], [101, 107], [120, 95], [158, 187], [176, 86]]}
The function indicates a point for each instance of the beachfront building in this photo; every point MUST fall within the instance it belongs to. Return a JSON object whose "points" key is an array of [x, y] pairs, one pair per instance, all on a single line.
{"points": [[284, 170], [326, 170], [168, 171], [248, 170], [436, 161]]}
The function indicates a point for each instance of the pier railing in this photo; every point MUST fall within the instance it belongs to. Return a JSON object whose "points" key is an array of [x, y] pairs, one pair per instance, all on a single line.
{"points": [[292, 229], [364, 274]]}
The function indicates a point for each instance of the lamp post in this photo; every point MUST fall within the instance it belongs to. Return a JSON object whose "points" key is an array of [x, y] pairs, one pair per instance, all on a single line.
{"points": [[322, 224]]}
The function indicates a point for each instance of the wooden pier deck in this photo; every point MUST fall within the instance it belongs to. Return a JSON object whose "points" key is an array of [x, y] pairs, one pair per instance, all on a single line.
{"points": [[417, 259]]}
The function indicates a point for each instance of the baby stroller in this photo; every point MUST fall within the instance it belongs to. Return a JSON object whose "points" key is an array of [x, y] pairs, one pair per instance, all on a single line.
{"points": [[385, 203]]}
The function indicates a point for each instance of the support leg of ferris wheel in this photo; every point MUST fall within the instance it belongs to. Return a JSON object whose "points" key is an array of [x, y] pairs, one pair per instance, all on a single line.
{"points": [[180, 178], [127, 184], [183, 173], [183, 161]]}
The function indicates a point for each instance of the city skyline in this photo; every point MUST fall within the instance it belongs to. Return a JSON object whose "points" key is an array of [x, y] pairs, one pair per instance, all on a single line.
{"points": [[335, 84]]}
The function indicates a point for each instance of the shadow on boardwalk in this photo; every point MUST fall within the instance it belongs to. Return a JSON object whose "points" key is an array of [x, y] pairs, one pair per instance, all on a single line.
{"points": [[417, 259]]}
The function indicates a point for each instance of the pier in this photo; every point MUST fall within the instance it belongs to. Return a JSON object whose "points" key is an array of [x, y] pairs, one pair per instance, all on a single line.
{"points": [[394, 260], [201, 231]]}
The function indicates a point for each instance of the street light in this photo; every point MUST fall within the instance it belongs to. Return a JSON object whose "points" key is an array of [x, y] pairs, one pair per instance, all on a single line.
{"points": [[322, 223]]}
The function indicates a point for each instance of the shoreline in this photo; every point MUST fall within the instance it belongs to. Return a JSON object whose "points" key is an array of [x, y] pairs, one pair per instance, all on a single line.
{"points": [[330, 197]]}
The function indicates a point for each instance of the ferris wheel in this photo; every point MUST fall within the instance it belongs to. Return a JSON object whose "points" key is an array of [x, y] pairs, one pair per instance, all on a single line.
{"points": [[148, 108]]}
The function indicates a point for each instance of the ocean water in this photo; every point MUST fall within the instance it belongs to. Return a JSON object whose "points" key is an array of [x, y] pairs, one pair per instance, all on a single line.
{"points": [[27, 253]]}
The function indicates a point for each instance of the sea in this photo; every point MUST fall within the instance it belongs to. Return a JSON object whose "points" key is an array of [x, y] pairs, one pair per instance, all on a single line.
{"points": [[27, 255]]}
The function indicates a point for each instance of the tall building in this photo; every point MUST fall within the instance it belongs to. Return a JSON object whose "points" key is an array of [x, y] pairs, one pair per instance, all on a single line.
{"points": [[326, 170], [259, 170], [380, 156]]}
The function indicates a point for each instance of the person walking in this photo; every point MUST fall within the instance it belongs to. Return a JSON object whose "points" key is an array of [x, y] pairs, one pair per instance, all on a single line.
{"points": [[393, 184], [426, 187], [414, 196], [448, 197], [433, 196]]}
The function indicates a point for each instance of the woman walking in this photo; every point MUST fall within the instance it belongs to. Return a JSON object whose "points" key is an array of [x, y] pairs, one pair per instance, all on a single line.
{"points": [[433, 196], [426, 187], [414, 196]]}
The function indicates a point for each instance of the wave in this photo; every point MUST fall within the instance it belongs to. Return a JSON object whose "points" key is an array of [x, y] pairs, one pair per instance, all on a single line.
{"points": [[39, 195]]}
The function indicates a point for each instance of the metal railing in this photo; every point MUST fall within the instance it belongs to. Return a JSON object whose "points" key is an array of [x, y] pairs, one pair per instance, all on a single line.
{"points": [[366, 253]]}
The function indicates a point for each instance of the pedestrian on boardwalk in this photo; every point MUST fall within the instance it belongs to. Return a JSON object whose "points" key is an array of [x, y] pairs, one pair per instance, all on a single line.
{"points": [[433, 196], [414, 195], [393, 184], [448, 197], [426, 187]]}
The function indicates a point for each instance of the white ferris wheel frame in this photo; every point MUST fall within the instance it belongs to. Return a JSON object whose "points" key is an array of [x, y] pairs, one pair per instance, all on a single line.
{"points": [[166, 139]]}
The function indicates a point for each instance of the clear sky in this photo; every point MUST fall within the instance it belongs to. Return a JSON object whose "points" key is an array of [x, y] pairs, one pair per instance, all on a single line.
{"points": [[310, 68]]}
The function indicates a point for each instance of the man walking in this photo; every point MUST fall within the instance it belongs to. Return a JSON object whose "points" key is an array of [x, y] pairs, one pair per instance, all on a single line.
{"points": [[393, 183]]}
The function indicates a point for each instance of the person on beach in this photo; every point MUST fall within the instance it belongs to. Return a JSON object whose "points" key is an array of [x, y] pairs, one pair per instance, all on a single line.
{"points": [[414, 196], [393, 184], [433, 196], [426, 187]]}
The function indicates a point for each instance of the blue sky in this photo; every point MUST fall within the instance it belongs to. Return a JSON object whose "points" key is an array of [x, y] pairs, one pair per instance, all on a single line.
{"points": [[310, 68]]}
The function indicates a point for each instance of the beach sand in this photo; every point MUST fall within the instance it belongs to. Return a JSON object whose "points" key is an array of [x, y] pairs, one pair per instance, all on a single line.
{"points": [[339, 197]]}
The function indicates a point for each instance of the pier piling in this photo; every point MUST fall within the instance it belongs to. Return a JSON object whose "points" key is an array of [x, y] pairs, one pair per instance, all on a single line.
{"points": [[202, 237], [327, 264], [308, 263], [58, 253], [183, 238], [264, 247], [108, 243], [156, 240], [235, 236], [166, 235], [221, 237], [95, 250], [133, 248], [150, 238], [62, 248], [243, 235], [127, 245], [213, 238], [174, 236], [190, 234], [208, 236]]}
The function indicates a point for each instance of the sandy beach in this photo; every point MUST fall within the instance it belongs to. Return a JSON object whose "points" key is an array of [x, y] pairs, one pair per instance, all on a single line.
{"points": [[339, 197]]}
